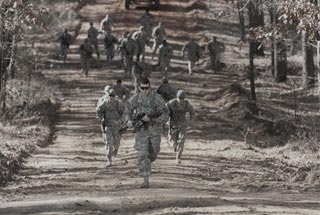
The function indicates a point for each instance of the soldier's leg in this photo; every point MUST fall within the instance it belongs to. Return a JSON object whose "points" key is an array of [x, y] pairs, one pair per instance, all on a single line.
{"points": [[173, 138], [190, 67], [96, 48], [144, 163], [112, 53], [163, 68], [87, 65], [82, 64], [180, 145], [117, 138], [109, 146], [154, 147]]}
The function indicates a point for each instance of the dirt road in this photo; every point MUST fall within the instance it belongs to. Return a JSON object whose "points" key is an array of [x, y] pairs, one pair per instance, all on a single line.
{"points": [[219, 173]]}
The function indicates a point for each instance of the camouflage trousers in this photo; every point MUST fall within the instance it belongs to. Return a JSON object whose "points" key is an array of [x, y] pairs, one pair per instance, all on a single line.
{"points": [[64, 51], [191, 64], [148, 147], [164, 64], [128, 64], [110, 54], [177, 136], [96, 47], [111, 138], [214, 62]]}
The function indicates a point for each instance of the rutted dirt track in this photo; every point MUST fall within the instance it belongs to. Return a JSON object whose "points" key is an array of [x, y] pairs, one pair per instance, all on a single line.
{"points": [[219, 173]]}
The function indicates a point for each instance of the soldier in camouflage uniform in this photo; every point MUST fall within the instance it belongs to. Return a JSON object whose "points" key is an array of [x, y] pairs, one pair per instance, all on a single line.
{"points": [[121, 49], [178, 108], [165, 54], [141, 40], [109, 111], [148, 137], [107, 24], [65, 40], [166, 90], [147, 21], [159, 34], [109, 43], [194, 51], [93, 38], [129, 47], [140, 70], [214, 48], [121, 91], [86, 51]]}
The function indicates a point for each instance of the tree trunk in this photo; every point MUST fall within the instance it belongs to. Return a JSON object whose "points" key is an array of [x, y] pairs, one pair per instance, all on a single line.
{"points": [[256, 19], [241, 18], [308, 67], [281, 61], [251, 72]]}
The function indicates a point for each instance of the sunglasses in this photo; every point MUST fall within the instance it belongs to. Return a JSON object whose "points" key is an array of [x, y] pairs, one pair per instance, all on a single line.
{"points": [[112, 95], [144, 88]]}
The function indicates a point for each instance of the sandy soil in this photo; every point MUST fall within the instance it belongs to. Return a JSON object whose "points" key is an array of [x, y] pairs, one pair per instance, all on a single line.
{"points": [[219, 174]]}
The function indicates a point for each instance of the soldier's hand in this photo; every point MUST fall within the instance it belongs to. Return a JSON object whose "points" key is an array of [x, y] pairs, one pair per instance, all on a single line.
{"points": [[129, 123]]}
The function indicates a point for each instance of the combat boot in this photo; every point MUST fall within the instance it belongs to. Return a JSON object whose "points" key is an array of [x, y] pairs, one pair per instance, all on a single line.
{"points": [[145, 183]]}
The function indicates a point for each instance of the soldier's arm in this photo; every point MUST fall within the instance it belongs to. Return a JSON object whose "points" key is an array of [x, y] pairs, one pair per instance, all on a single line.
{"points": [[183, 50], [161, 106], [121, 107], [100, 109], [129, 108], [191, 111]]}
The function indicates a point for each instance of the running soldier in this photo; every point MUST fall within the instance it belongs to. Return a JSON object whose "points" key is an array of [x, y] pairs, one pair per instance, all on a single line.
{"points": [[140, 71], [165, 55], [147, 21], [65, 40], [109, 43], [121, 91], [178, 124], [121, 49], [194, 51], [86, 51], [107, 24], [129, 46], [166, 90], [215, 48], [151, 113], [109, 111], [93, 38], [159, 34], [141, 40]]}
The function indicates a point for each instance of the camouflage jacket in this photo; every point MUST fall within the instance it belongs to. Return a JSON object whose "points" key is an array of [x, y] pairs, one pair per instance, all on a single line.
{"points": [[178, 111]]}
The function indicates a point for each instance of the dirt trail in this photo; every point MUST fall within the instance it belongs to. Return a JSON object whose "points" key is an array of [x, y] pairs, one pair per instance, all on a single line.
{"points": [[219, 173]]}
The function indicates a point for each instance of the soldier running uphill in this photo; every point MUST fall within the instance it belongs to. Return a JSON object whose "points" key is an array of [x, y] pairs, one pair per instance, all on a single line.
{"points": [[178, 124], [194, 51], [151, 113], [109, 111], [86, 51], [93, 38]]}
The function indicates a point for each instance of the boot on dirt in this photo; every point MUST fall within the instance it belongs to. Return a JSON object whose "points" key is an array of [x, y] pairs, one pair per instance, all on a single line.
{"points": [[145, 183]]}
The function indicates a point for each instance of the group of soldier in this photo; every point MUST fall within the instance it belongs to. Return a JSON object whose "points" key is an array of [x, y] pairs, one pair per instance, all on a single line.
{"points": [[149, 112]]}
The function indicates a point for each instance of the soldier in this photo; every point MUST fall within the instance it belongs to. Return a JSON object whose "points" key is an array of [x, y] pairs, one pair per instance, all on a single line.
{"points": [[147, 21], [93, 38], [121, 49], [178, 108], [107, 24], [121, 91], [165, 54], [109, 111], [86, 51], [166, 90], [140, 70], [141, 40], [194, 51], [159, 34], [65, 40], [215, 48], [129, 46], [151, 106], [109, 42]]}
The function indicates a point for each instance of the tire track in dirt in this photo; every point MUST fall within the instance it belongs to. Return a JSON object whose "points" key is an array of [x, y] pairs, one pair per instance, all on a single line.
{"points": [[70, 175]]}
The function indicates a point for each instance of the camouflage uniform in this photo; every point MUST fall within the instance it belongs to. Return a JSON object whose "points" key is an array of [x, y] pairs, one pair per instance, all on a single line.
{"points": [[141, 40], [121, 92], [113, 109], [159, 34], [215, 48], [140, 70], [65, 40], [147, 140], [109, 42], [86, 51], [165, 54], [166, 91], [129, 46], [121, 49], [178, 124], [93, 39], [107, 24], [147, 21], [194, 51]]}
